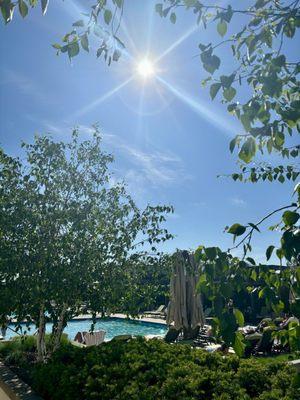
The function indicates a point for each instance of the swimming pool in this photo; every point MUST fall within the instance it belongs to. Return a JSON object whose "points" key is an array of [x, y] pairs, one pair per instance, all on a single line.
{"points": [[112, 326]]}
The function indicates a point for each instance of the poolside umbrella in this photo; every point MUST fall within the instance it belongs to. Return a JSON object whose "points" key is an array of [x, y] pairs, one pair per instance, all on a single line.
{"points": [[185, 308]]}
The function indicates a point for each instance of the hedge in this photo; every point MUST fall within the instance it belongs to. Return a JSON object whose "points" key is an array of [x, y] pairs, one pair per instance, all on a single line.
{"points": [[154, 370]]}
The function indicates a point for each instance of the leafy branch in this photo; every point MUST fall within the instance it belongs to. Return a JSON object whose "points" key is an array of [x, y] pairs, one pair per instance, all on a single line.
{"points": [[289, 219]]}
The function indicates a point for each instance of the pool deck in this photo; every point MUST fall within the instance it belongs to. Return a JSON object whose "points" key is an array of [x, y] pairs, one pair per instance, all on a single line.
{"points": [[141, 318]]}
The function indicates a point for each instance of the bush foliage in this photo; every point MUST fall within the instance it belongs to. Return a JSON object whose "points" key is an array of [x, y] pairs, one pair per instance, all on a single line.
{"points": [[147, 370]]}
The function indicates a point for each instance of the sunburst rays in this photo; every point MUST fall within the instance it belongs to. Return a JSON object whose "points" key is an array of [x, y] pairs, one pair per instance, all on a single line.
{"points": [[199, 107], [146, 70], [100, 99]]}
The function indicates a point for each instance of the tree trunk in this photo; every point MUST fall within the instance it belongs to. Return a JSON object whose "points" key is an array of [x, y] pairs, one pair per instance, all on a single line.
{"points": [[60, 328], [41, 345], [190, 333]]}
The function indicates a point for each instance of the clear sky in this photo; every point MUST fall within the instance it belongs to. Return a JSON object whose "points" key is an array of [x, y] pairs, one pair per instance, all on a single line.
{"points": [[170, 141]]}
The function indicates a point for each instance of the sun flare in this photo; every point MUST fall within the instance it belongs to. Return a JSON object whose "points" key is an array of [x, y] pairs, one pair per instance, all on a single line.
{"points": [[145, 68]]}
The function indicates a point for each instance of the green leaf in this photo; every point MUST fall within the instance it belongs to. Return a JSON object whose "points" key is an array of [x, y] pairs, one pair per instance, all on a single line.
{"points": [[107, 16], [84, 41], [290, 218], [279, 253], [254, 275], [269, 146], [279, 61], [119, 3], [281, 178], [214, 88], [23, 8], [7, 10], [73, 49], [190, 3], [79, 23], [116, 55], [278, 307], [269, 252], [279, 139], [210, 62], [237, 229], [64, 49], [211, 252], [259, 4], [44, 4], [222, 28], [229, 93], [202, 46], [251, 260], [246, 122], [232, 144], [227, 80], [239, 344], [159, 9], [248, 150], [201, 282], [290, 28], [254, 226], [173, 18], [239, 317], [212, 65], [198, 253], [235, 177]]}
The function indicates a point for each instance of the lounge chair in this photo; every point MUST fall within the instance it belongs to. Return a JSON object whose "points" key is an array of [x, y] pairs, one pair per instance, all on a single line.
{"points": [[204, 337], [160, 312], [90, 338], [265, 343]]}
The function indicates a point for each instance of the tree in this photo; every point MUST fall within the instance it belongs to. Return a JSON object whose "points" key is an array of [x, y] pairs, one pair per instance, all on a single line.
{"points": [[109, 12], [67, 233], [224, 278], [147, 283], [271, 119], [270, 114]]}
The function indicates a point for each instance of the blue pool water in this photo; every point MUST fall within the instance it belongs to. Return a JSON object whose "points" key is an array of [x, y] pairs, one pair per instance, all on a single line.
{"points": [[112, 326]]}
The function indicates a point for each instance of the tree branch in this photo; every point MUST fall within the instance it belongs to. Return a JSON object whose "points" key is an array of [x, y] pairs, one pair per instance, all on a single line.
{"points": [[249, 234]]}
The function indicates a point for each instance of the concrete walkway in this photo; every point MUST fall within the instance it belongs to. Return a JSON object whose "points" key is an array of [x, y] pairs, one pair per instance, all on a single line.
{"points": [[12, 387], [3, 395]]}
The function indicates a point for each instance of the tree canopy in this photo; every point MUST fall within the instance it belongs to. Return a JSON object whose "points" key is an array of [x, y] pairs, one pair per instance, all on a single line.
{"points": [[69, 236]]}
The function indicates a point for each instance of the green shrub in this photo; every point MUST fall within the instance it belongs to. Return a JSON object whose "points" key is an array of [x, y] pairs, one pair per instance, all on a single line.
{"points": [[154, 370], [18, 344]]}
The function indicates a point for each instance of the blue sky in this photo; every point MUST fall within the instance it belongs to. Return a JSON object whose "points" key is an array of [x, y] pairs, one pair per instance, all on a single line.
{"points": [[170, 141]]}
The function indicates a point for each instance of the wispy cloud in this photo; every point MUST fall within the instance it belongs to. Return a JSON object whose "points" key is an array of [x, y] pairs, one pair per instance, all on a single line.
{"points": [[155, 167], [24, 84], [63, 129], [237, 201]]}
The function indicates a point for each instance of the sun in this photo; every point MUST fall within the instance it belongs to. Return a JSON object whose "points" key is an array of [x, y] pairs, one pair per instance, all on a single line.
{"points": [[145, 69]]}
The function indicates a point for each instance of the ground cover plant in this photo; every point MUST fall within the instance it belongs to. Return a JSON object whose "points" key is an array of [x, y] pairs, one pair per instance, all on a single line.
{"points": [[146, 370]]}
